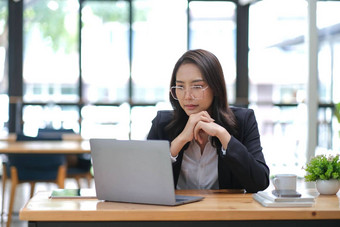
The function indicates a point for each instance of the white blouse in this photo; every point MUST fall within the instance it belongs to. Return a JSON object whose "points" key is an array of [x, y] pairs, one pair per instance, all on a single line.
{"points": [[199, 171]]}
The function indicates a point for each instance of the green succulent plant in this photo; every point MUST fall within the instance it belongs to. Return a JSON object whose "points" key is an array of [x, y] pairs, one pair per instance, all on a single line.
{"points": [[322, 167]]}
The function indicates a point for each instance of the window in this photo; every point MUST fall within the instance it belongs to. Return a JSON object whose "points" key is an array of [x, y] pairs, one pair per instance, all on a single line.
{"points": [[50, 116], [105, 51], [213, 27], [91, 60], [159, 39], [50, 51], [328, 23], [278, 79]]}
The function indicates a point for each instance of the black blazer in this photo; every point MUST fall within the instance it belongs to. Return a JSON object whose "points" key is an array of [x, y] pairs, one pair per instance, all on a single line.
{"points": [[242, 167]]}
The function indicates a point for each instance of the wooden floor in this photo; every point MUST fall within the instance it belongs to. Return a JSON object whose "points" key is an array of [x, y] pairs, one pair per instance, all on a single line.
{"points": [[22, 196]]}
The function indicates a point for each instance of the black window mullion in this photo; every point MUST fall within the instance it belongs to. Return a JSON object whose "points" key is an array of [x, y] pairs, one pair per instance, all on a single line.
{"points": [[80, 82], [242, 47], [15, 64]]}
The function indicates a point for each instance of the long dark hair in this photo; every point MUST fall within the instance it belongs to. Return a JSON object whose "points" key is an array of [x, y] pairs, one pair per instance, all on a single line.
{"points": [[212, 72]]}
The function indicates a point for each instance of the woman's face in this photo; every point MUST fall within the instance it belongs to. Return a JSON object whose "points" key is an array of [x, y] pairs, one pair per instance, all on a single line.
{"points": [[193, 100]]}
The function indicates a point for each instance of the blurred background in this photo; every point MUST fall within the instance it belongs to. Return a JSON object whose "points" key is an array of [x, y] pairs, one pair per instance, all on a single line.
{"points": [[102, 68]]}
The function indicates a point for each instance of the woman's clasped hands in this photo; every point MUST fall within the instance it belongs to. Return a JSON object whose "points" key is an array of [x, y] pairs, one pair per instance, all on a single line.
{"points": [[198, 127]]}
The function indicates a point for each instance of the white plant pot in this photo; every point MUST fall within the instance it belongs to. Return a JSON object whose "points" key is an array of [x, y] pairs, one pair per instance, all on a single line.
{"points": [[328, 187]]}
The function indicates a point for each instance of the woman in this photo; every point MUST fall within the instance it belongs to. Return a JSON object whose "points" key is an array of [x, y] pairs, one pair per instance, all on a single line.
{"points": [[213, 146]]}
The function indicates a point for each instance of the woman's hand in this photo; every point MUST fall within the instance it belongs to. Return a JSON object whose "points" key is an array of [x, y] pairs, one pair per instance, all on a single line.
{"points": [[212, 129], [188, 132], [198, 126]]}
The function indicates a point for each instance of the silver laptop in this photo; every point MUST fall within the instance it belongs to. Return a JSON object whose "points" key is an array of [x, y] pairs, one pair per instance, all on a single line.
{"points": [[135, 171]]}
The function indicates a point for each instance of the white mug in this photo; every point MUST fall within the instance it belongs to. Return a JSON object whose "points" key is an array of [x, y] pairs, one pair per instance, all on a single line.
{"points": [[285, 182]]}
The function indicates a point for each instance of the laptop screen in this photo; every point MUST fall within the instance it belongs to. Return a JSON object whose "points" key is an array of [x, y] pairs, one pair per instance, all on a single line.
{"points": [[133, 171]]}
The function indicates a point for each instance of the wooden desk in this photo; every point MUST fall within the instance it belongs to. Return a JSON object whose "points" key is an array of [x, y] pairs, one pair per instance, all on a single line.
{"points": [[219, 208], [11, 137], [39, 147]]}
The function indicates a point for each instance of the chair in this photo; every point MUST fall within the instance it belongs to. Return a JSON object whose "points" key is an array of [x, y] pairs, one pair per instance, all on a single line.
{"points": [[31, 168], [53, 133], [82, 169], [78, 166]]}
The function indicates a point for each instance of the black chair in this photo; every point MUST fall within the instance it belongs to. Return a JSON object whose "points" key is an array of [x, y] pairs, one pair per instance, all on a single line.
{"points": [[31, 168], [54, 133], [78, 166]]}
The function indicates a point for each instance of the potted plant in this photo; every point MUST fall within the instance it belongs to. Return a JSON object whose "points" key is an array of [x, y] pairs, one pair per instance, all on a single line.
{"points": [[325, 171]]}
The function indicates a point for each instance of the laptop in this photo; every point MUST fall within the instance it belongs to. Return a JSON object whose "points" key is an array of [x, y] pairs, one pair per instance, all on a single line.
{"points": [[135, 171]]}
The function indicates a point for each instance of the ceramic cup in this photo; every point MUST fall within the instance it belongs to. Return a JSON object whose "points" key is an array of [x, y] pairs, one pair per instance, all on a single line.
{"points": [[285, 182]]}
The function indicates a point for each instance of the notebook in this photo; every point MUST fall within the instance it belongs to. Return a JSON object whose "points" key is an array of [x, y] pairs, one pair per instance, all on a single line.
{"points": [[270, 203], [135, 171], [269, 196]]}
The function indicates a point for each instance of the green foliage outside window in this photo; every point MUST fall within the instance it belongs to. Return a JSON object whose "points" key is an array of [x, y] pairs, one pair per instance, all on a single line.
{"points": [[52, 21], [337, 113]]}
